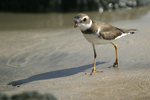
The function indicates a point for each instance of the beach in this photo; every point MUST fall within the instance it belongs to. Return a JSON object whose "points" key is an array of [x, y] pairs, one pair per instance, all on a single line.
{"points": [[53, 57]]}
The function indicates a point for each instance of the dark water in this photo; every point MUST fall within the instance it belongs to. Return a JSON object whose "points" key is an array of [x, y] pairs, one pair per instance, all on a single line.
{"points": [[23, 21]]}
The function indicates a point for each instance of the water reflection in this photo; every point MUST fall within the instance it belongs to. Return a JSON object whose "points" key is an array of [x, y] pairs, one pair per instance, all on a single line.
{"points": [[21, 21]]}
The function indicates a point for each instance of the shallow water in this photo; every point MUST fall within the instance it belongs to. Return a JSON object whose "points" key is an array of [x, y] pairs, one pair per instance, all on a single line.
{"points": [[23, 21]]}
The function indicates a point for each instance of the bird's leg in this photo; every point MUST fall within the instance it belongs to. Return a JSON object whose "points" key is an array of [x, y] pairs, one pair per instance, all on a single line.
{"points": [[94, 69], [116, 49]]}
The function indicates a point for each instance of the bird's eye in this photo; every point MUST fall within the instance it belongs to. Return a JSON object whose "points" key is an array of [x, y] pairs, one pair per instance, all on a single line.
{"points": [[84, 19]]}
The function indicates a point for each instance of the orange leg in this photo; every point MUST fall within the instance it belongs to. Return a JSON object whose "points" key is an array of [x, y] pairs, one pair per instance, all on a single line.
{"points": [[94, 69], [116, 49]]}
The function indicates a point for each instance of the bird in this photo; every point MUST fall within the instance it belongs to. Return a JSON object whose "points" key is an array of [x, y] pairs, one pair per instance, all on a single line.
{"points": [[99, 33]]}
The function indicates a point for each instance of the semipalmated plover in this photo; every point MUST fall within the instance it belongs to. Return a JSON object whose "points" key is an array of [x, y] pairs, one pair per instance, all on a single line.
{"points": [[97, 33]]}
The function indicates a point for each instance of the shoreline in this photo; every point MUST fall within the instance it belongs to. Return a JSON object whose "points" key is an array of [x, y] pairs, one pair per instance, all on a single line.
{"points": [[59, 62]]}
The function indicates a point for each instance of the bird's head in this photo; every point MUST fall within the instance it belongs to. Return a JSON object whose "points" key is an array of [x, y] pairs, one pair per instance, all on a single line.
{"points": [[82, 21]]}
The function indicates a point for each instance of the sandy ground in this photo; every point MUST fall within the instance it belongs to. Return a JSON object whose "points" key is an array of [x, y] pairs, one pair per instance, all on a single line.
{"points": [[59, 62]]}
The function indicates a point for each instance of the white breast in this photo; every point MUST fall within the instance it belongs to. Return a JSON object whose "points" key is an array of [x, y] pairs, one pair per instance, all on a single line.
{"points": [[84, 27], [94, 39]]}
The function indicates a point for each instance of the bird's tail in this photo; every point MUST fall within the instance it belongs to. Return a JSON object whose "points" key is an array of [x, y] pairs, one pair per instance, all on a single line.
{"points": [[131, 31], [125, 32]]}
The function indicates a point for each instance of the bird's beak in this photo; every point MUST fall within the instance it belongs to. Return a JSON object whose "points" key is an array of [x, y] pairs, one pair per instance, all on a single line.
{"points": [[76, 24]]}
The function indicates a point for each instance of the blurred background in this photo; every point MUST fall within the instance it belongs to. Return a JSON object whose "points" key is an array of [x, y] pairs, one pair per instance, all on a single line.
{"points": [[67, 5], [46, 14]]}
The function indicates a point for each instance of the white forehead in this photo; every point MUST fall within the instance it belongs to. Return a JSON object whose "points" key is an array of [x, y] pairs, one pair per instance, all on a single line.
{"points": [[80, 19]]}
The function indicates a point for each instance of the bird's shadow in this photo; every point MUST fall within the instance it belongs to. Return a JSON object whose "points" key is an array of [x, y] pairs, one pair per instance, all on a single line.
{"points": [[54, 74]]}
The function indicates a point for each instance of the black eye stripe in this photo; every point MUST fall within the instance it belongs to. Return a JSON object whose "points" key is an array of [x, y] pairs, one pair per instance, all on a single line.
{"points": [[84, 19]]}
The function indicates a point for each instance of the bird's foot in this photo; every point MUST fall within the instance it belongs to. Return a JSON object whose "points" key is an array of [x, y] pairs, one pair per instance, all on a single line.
{"points": [[94, 71], [116, 64]]}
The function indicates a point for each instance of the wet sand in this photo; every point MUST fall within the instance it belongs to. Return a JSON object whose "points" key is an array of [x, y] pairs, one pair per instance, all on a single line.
{"points": [[59, 61]]}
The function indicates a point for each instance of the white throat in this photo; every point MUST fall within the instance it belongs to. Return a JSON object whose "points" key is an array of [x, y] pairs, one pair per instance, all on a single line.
{"points": [[84, 27]]}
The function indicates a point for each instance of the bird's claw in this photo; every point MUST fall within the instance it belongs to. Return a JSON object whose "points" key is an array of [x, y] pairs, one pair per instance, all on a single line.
{"points": [[116, 64], [94, 71]]}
